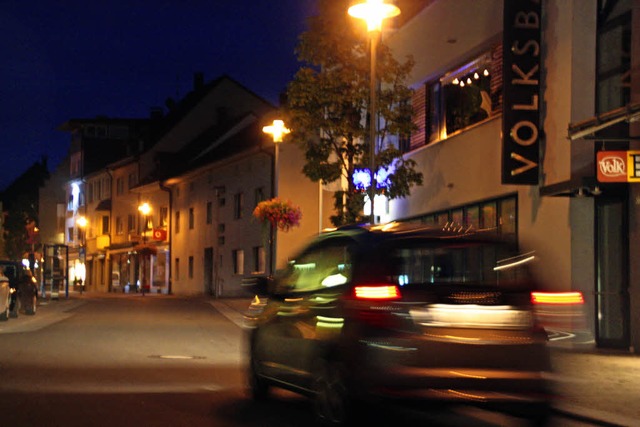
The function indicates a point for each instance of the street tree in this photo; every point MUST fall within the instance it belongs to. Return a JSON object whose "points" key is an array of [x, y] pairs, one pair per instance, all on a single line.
{"points": [[327, 109]]}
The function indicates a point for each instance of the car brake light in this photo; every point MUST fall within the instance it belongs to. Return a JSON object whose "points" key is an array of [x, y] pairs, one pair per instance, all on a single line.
{"points": [[377, 292], [558, 298]]}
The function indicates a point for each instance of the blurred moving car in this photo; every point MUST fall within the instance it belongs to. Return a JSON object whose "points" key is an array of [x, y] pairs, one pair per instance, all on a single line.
{"points": [[405, 314]]}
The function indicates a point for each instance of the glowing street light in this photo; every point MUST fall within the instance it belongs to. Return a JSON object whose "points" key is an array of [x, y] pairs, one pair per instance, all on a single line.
{"points": [[144, 209], [80, 271], [277, 130], [373, 12]]}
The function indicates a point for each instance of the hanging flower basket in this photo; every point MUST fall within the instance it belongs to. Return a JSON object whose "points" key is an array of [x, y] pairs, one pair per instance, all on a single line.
{"points": [[282, 214]]}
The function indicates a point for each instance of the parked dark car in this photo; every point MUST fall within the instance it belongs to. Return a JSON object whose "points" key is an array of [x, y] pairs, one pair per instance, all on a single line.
{"points": [[405, 314], [25, 289]]}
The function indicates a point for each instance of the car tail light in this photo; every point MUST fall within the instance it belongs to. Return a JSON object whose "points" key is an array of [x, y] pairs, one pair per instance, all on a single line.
{"points": [[378, 292], [557, 298]]}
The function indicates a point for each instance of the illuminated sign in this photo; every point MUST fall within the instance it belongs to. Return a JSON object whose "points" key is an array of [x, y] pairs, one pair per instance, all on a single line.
{"points": [[159, 234], [362, 178], [618, 166], [521, 92]]}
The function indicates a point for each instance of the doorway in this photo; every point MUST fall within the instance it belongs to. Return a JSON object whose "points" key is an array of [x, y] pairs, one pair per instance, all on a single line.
{"points": [[209, 289], [612, 273]]}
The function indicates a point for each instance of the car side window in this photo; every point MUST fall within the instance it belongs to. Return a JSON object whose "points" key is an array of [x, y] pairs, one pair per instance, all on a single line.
{"points": [[321, 267]]}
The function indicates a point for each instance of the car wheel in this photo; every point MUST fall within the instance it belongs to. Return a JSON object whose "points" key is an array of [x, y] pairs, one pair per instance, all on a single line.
{"points": [[333, 407], [258, 386]]}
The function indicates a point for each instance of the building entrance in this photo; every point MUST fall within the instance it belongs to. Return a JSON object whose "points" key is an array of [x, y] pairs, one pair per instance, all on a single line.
{"points": [[612, 273]]}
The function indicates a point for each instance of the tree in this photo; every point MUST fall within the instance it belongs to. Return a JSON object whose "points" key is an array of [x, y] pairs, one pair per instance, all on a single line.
{"points": [[327, 103]]}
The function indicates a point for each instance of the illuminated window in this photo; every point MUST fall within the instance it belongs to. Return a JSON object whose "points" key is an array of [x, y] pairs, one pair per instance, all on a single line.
{"points": [[238, 202], [238, 261], [259, 259]]}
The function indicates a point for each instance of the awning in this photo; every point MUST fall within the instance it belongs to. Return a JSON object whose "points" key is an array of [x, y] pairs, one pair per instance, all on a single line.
{"points": [[574, 187], [104, 205], [628, 113]]}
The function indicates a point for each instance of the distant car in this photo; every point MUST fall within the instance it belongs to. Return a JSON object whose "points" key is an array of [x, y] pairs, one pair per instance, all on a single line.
{"points": [[5, 297], [404, 314], [24, 288]]}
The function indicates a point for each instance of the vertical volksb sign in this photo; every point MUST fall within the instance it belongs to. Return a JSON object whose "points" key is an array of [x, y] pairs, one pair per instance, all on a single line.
{"points": [[521, 55]]}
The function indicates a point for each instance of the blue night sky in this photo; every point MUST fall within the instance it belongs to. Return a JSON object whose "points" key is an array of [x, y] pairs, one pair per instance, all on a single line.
{"points": [[66, 59]]}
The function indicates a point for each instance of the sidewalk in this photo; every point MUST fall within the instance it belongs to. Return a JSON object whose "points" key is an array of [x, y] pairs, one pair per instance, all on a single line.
{"points": [[596, 386]]}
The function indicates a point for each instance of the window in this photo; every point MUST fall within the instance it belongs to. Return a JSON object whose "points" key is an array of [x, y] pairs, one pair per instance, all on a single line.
{"points": [[498, 214], [209, 212], [613, 66], [164, 215], [461, 98], [106, 188], [133, 179], [259, 195], [191, 267], [90, 192], [238, 261], [131, 222], [259, 259], [119, 186], [119, 226], [319, 268], [191, 219], [237, 205], [177, 269], [177, 225], [105, 224]]}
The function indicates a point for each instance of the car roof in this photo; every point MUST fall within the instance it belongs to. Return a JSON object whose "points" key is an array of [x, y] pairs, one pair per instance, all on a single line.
{"points": [[407, 230]]}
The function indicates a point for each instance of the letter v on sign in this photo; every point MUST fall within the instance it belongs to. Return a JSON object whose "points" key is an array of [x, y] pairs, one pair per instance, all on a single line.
{"points": [[528, 164]]}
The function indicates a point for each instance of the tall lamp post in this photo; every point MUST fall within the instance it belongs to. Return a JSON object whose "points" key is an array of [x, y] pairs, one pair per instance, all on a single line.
{"points": [[277, 130], [144, 209], [82, 255], [373, 12]]}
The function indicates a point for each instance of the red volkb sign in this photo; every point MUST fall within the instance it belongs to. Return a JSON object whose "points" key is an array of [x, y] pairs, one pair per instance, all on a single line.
{"points": [[159, 234], [612, 166]]}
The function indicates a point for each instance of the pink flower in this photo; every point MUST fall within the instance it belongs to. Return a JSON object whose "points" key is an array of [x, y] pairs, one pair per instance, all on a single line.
{"points": [[282, 214]]}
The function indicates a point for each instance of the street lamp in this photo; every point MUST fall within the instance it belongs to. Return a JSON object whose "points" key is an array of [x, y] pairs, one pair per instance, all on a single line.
{"points": [[80, 270], [277, 130], [373, 12], [144, 209]]}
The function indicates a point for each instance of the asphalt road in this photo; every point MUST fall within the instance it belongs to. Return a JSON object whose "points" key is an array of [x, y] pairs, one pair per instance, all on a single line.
{"points": [[138, 361]]}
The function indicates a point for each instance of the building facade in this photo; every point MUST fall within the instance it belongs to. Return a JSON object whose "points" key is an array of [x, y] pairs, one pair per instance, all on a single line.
{"points": [[513, 101]]}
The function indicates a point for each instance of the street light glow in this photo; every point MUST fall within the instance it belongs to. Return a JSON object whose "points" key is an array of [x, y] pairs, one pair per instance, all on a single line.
{"points": [[144, 208], [374, 12], [82, 221], [277, 130]]}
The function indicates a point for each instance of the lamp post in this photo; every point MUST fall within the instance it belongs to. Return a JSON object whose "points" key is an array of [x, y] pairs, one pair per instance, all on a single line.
{"points": [[373, 12], [277, 130], [144, 209], [82, 253]]}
